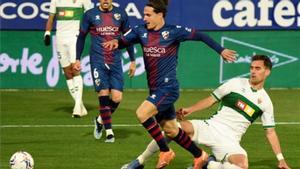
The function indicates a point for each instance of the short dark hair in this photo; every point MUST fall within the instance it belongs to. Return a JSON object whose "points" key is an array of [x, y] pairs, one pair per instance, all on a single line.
{"points": [[159, 6], [266, 59]]}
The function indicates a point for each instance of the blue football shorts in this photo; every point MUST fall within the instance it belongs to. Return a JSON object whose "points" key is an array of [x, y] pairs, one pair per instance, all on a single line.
{"points": [[107, 76], [164, 98]]}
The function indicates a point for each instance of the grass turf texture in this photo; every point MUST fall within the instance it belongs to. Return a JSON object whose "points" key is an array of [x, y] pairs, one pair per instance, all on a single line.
{"points": [[73, 146]]}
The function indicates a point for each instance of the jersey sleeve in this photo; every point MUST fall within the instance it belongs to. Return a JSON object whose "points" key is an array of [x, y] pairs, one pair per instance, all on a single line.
{"points": [[267, 117], [224, 89], [125, 26], [130, 37], [85, 23], [52, 9], [184, 34], [87, 4]]}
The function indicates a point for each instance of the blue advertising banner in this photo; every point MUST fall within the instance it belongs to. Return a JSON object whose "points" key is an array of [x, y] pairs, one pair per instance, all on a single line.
{"points": [[201, 14]]}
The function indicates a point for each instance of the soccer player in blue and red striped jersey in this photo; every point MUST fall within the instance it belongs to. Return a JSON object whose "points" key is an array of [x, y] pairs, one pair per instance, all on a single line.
{"points": [[160, 43], [105, 22]]}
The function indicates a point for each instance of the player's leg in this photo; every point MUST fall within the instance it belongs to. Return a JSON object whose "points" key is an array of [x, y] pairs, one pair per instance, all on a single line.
{"points": [[145, 114], [101, 84], [116, 98], [239, 160], [77, 79], [62, 53], [182, 138], [229, 157], [235, 161], [105, 114], [152, 147], [116, 83]]}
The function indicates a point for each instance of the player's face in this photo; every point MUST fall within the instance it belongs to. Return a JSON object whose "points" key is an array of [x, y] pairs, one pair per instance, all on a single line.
{"points": [[152, 19], [106, 4], [258, 72]]}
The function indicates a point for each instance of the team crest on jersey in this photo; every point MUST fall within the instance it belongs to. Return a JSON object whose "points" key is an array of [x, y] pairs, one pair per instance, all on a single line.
{"points": [[117, 16], [165, 34], [97, 82]]}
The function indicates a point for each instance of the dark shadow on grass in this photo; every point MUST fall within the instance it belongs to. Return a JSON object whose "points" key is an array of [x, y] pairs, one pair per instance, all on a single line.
{"points": [[69, 108], [120, 133]]}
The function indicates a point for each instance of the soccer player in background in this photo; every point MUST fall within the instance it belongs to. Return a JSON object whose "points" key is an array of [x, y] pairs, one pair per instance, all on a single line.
{"points": [[243, 100], [67, 15], [160, 43], [105, 22]]}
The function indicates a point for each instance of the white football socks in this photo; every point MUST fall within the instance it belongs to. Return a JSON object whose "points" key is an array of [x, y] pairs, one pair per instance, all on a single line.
{"points": [[78, 86], [151, 149], [70, 85]]}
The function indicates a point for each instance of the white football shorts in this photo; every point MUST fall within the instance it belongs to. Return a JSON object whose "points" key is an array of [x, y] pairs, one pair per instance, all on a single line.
{"points": [[215, 136], [66, 50]]}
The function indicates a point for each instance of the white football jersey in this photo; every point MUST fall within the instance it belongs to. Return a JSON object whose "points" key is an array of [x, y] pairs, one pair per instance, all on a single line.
{"points": [[241, 105], [68, 14]]}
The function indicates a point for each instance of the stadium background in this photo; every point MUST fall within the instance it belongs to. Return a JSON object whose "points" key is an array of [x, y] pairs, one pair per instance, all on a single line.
{"points": [[26, 63], [39, 122]]}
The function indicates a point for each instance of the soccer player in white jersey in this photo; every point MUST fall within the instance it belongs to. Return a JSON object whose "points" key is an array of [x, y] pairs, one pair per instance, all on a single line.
{"points": [[68, 14], [242, 101]]}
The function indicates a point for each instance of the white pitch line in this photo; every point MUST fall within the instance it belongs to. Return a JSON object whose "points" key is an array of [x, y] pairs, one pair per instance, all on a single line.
{"points": [[115, 125], [63, 126]]}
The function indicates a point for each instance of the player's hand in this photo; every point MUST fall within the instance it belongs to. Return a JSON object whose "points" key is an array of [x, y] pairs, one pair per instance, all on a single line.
{"points": [[229, 55], [283, 165], [132, 68], [76, 66], [47, 38], [182, 112], [111, 45]]}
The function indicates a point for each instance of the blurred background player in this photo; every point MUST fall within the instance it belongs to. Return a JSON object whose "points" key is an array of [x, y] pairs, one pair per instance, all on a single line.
{"points": [[104, 23], [243, 101], [160, 43], [68, 15]]}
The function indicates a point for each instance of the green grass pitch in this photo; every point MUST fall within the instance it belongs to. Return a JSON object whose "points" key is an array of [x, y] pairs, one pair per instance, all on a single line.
{"points": [[57, 141]]}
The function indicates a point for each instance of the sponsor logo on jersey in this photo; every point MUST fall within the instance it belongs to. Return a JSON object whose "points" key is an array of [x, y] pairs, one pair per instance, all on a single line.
{"points": [[154, 51], [117, 16], [66, 13], [107, 30], [245, 107], [165, 34]]}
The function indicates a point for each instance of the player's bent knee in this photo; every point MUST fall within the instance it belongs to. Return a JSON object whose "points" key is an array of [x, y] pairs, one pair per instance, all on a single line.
{"points": [[242, 165], [171, 132], [117, 99], [140, 115]]}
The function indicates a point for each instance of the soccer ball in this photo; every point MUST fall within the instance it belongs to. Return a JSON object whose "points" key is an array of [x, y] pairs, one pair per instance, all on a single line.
{"points": [[21, 160]]}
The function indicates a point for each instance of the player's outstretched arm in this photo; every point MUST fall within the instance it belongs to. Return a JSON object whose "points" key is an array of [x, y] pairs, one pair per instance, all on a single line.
{"points": [[200, 105], [274, 142]]}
